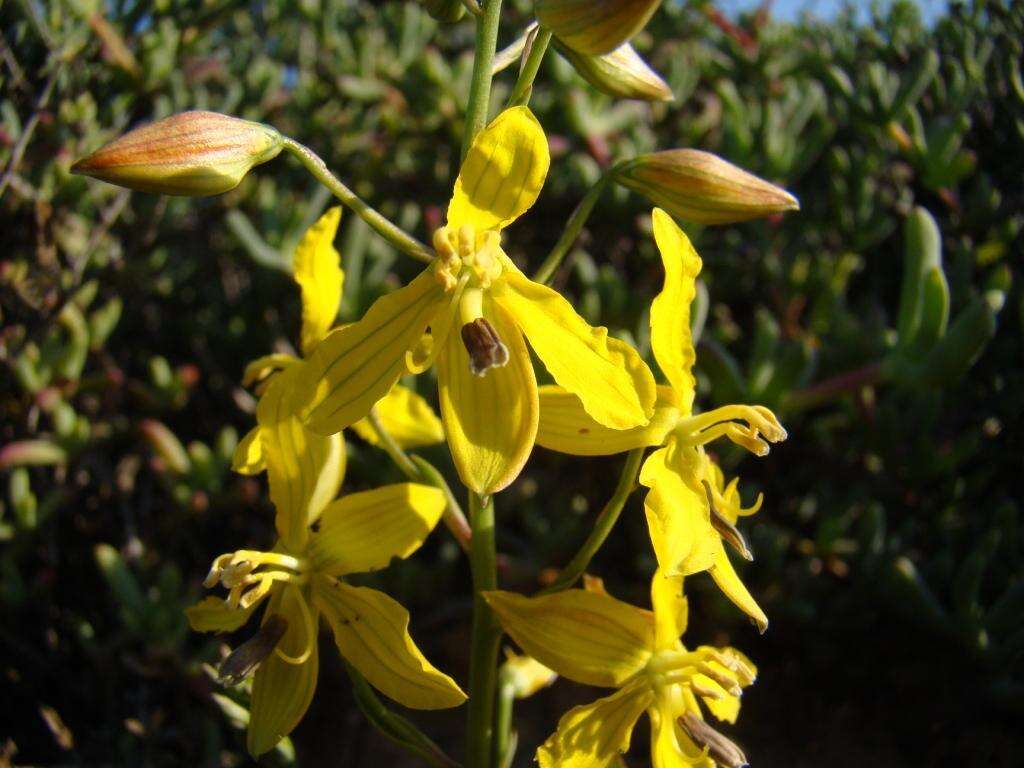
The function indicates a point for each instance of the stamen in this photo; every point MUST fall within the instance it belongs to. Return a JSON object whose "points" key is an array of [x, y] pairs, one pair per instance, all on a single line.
{"points": [[246, 657], [719, 748], [485, 347], [726, 530], [721, 677]]}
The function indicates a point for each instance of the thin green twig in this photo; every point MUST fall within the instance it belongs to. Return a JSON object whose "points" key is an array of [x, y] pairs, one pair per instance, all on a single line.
{"points": [[602, 526]]}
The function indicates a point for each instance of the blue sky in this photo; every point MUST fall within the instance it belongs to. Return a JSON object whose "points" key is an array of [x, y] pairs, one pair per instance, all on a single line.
{"points": [[790, 9]]}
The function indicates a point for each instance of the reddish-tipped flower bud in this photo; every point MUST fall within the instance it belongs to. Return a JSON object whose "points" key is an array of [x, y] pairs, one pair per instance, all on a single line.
{"points": [[595, 27], [192, 153], [703, 188]]}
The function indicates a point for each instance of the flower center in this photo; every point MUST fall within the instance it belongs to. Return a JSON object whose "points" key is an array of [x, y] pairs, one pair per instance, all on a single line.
{"points": [[466, 256], [249, 575], [706, 672]]}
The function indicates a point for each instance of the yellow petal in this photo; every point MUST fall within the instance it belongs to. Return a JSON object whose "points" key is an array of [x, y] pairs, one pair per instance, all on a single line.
{"points": [[281, 691], [615, 386], [671, 610], [355, 366], [372, 633], [525, 674], [262, 367], [671, 339], [567, 428], [364, 531], [503, 172], [670, 746], [320, 278], [248, 458], [407, 417], [677, 517], [212, 614], [588, 637], [729, 582], [490, 420], [304, 469], [594, 735]]}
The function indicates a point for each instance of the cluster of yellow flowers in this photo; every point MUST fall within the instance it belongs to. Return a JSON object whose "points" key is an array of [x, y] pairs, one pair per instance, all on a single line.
{"points": [[473, 316], [467, 313]]}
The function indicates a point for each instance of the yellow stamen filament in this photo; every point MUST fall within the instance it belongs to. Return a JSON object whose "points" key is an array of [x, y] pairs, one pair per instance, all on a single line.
{"points": [[742, 424]]}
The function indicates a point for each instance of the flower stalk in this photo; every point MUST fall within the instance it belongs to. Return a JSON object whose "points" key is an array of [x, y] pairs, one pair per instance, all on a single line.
{"points": [[402, 240], [603, 526]]}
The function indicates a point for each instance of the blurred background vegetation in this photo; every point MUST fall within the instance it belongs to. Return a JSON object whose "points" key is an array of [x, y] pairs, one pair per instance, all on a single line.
{"points": [[883, 322]]}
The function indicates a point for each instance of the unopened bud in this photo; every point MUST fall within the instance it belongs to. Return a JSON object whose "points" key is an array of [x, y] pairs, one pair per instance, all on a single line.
{"points": [[240, 663], [445, 11], [595, 27], [720, 749], [191, 153], [703, 188], [485, 347], [620, 73]]}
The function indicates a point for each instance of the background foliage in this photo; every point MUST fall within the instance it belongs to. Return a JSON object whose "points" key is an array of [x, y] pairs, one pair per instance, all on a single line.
{"points": [[890, 550]]}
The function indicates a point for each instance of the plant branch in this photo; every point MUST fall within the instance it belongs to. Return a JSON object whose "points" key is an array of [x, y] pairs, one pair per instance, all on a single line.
{"points": [[602, 526], [480, 87], [523, 88], [486, 635], [402, 240]]}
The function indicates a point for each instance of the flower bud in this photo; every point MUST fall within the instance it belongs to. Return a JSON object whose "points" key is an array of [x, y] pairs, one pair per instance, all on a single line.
{"points": [[445, 11], [526, 675], [595, 27], [703, 188], [620, 73], [191, 153]]}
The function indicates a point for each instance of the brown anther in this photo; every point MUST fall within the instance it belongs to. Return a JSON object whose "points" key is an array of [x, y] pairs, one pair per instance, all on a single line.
{"points": [[241, 662], [485, 347], [726, 530], [720, 748]]}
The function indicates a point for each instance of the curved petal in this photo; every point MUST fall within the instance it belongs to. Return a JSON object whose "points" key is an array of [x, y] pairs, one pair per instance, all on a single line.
{"points": [[677, 517], [503, 172], [671, 340], [212, 614], [365, 531], [304, 469], [318, 272], [594, 735], [670, 746], [671, 610], [614, 385], [261, 367], [490, 420], [565, 427], [372, 633], [589, 637], [355, 366], [729, 582], [248, 457], [281, 691], [407, 417]]}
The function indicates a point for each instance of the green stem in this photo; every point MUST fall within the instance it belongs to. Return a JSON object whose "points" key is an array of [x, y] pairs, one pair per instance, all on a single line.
{"points": [[486, 637], [573, 227], [480, 87], [419, 470], [524, 83], [602, 526], [402, 240], [503, 739]]}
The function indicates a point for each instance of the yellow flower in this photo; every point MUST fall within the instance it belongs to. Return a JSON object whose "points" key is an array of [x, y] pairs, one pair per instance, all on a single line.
{"points": [[689, 509], [405, 415], [479, 307], [300, 580], [592, 638]]}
